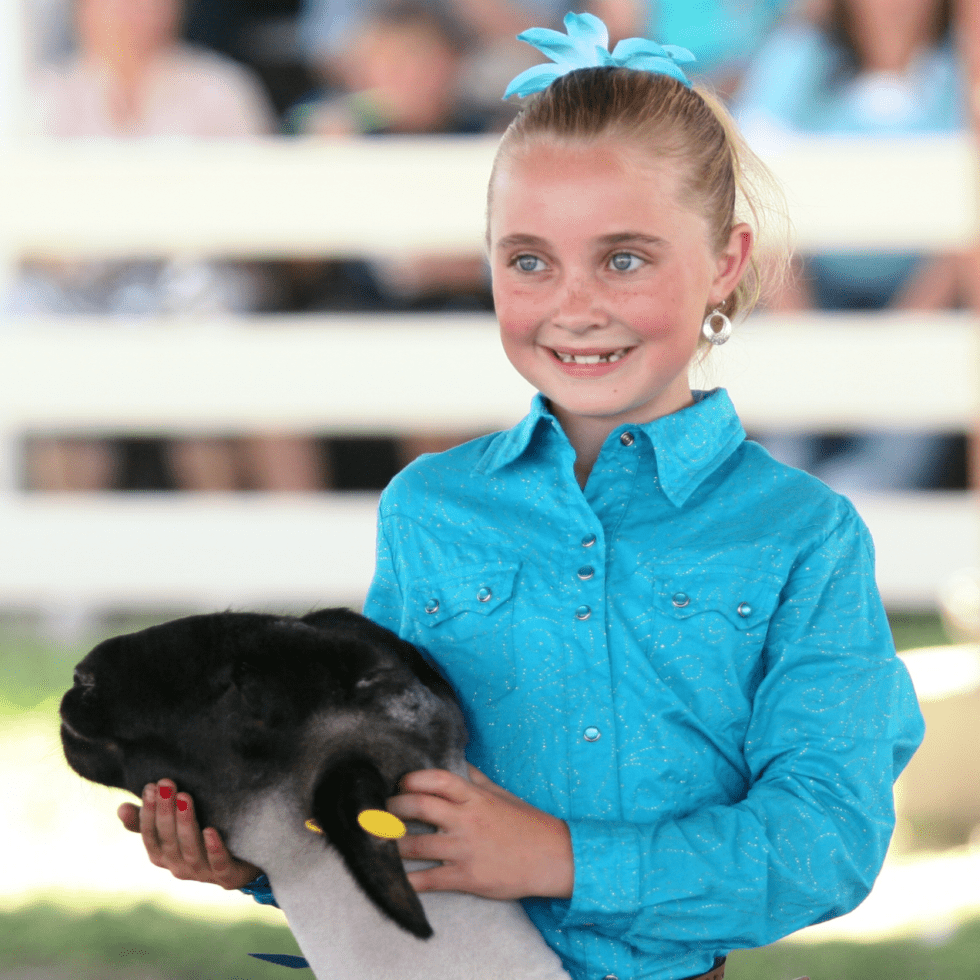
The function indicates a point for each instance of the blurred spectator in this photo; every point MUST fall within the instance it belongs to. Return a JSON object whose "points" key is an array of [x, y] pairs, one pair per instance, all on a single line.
{"points": [[494, 56], [872, 68], [261, 34], [132, 78], [401, 77], [723, 35], [968, 39], [400, 74]]}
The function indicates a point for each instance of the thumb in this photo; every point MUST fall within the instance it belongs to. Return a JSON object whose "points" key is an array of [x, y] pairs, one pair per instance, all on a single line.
{"points": [[130, 816]]}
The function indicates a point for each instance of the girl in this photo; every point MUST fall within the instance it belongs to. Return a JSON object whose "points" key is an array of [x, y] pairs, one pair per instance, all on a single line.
{"points": [[685, 707]]}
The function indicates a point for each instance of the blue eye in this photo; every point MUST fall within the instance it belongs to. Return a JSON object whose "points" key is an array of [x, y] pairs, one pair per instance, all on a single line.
{"points": [[527, 263], [625, 262]]}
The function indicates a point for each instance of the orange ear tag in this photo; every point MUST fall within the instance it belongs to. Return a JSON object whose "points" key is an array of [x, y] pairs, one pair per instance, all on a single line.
{"points": [[380, 823]]}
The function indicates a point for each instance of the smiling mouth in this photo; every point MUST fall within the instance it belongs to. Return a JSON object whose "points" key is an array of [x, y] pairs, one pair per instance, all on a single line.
{"points": [[608, 358]]}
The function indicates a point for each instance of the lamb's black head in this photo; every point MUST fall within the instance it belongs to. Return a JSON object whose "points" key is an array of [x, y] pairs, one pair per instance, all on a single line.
{"points": [[228, 701]]}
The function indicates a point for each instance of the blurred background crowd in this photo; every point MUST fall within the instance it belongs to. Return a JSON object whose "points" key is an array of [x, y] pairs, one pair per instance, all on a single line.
{"points": [[314, 69]]}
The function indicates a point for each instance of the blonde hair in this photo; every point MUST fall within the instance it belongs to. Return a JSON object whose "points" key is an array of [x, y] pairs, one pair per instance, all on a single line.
{"points": [[723, 180]]}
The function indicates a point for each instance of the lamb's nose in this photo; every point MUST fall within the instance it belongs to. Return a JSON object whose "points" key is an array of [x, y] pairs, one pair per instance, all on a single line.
{"points": [[84, 678]]}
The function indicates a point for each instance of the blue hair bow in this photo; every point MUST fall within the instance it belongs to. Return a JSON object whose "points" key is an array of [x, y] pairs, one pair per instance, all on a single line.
{"points": [[586, 45]]}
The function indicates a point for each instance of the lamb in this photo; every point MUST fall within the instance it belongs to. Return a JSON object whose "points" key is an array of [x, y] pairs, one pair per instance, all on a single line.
{"points": [[269, 721]]}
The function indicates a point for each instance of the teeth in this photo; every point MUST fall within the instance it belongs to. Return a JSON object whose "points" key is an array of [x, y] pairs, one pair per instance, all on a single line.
{"points": [[592, 358]]}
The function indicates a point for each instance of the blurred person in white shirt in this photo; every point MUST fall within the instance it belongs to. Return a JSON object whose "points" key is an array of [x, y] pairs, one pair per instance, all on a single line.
{"points": [[131, 77]]}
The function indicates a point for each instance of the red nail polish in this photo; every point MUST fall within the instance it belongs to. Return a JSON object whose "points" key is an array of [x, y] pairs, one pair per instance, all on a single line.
{"points": [[165, 792], [182, 805]]}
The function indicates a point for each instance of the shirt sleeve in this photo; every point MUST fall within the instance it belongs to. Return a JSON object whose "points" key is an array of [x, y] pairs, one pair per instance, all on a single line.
{"points": [[834, 721], [384, 603]]}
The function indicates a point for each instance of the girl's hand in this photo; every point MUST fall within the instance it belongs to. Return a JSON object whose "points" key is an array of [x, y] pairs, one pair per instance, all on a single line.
{"points": [[173, 839], [491, 842]]}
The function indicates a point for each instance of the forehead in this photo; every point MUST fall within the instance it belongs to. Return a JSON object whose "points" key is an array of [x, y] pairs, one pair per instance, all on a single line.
{"points": [[585, 184]]}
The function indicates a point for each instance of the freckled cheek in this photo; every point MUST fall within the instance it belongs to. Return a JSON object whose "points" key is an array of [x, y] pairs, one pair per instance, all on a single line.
{"points": [[656, 317], [517, 318]]}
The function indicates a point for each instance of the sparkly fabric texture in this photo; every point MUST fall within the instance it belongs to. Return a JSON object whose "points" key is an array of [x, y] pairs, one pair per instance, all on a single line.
{"points": [[688, 662]]}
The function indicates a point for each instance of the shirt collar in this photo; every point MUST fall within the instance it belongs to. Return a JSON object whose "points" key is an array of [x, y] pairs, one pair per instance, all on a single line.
{"points": [[689, 444]]}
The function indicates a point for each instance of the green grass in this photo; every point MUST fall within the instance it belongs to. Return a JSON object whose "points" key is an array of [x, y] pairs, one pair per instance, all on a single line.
{"points": [[32, 671], [958, 958], [148, 943], [917, 630]]}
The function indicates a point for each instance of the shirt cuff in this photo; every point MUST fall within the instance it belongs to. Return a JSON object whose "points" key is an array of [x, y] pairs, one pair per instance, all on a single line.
{"points": [[260, 889], [606, 892]]}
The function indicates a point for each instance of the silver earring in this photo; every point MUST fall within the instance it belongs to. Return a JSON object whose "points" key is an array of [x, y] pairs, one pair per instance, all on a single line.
{"points": [[716, 328]]}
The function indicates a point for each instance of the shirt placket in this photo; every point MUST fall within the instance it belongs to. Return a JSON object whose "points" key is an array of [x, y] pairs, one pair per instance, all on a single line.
{"points": [[591, 719]]}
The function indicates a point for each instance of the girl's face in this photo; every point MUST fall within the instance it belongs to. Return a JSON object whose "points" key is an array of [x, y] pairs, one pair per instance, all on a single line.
{"points": [[602, 278]]}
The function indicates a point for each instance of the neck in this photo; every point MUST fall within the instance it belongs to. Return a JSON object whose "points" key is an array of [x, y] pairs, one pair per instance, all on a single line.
{"points": [[341, 933], [128, 78]]}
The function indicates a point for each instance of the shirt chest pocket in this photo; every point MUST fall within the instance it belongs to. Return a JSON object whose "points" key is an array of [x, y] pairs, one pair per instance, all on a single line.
{"points": [[465, 620], [711, 622]]}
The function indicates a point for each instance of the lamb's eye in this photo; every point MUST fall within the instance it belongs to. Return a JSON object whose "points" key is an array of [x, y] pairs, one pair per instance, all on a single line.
{"points": [[625, 262], [527, 263]]}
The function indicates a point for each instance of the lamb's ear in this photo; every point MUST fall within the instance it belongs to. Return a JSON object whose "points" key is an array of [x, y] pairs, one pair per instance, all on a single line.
{"points": [[348, 786]]}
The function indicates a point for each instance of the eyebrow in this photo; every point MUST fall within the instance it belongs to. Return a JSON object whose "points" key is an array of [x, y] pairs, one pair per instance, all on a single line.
{"points": [[617, 238]]}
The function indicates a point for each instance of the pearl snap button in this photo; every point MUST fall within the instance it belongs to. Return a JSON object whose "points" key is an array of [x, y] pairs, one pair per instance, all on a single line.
{"points": [[627, 439], [681, 599], [432, 606], [586, 572], [610, 976], [583, 612], [591, 733], [588, 541], [744, 609], [484, 594]]}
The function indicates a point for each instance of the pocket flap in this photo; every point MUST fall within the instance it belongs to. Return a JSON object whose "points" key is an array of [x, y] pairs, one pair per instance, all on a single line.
{"points": [[746, 598], [475, 589]]}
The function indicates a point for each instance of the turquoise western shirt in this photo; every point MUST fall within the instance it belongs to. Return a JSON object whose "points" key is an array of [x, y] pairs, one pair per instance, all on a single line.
{"points": [[688, 662]]}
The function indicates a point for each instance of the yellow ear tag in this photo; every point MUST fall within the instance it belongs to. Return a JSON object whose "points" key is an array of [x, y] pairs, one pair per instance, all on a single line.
{"points": [[381, 823], [311, 824]]}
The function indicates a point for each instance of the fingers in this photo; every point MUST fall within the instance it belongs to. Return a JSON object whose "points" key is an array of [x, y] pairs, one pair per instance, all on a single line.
{"points": [[130, 816], [188, 839], [174, 839], [148, 825], [171, 835], [422, 807], [438, 782]]}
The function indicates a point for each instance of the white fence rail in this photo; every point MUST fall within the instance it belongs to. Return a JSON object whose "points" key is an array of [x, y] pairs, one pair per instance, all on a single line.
{"points": [[391, 375], [280, 197]]}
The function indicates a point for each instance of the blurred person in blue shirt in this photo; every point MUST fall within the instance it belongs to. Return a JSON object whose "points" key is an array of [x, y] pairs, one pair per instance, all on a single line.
{"points": [[326, 28], [871, 68], [724, 35]]}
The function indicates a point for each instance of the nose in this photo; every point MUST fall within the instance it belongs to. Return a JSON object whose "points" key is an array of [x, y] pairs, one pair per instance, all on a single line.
{"points": [[84, 678], [577, 308]]}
